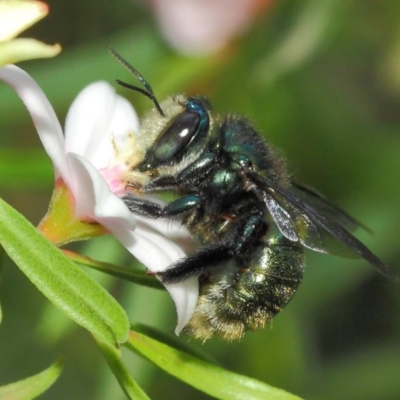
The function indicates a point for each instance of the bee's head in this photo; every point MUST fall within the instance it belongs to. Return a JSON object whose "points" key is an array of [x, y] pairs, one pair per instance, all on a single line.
{"points": [[175, 140], [172, 134]]}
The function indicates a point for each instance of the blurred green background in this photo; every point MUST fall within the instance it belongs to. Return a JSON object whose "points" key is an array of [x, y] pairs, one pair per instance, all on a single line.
{"points": [[321, 81]]}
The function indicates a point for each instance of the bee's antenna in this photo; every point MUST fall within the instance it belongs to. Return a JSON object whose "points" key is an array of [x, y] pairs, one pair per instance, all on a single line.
{"points": [[148, 91]]}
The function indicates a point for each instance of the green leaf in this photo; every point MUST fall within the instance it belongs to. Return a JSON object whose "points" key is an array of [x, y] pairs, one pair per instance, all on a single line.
{"points": [[129, 274], [33, 386], [173, 341], [114, 361], [1, 270], [204, 376], [60, 280]]}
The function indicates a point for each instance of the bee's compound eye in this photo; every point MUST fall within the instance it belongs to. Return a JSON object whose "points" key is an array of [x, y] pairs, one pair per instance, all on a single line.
{"points": [[177, 136]]}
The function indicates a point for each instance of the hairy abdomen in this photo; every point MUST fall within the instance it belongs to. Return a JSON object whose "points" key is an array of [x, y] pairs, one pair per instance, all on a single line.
{"points": [[246, 294]]}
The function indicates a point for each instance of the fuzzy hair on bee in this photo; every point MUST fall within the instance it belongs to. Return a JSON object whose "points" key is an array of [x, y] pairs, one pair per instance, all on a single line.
{"points": [[233, 193]]}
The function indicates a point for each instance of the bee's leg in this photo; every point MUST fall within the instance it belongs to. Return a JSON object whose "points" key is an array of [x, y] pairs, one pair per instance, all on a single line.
{"points": [[239, 240], [160, 183], [201, 261], [197, 170], [193, 173], [149, 209]]}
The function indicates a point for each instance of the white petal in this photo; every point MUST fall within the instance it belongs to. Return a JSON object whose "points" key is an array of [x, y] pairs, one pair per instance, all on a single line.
{"points": [[95, 117], [185, 296], [172, 229], [124, 121], [93, 198], [88, 118], [169, 229], [157, 253], [42, 113]]}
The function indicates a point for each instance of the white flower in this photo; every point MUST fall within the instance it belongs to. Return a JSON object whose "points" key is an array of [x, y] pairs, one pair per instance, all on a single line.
{"points": [[98, 122]]}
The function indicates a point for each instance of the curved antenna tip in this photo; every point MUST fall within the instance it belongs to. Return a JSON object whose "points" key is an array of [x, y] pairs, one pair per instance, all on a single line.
{"points": [[148, 91]]}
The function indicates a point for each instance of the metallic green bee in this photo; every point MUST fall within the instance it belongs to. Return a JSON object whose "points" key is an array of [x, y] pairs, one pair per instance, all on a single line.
{"points": [[236, 196]]}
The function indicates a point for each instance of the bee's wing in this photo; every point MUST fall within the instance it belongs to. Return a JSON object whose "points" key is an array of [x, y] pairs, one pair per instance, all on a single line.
{"points": [[301, 221], [281, 215], [323, 205], [298, 225]]}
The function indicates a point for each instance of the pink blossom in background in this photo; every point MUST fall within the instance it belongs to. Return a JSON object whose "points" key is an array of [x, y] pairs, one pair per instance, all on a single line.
{"points": [[205, 26]]}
